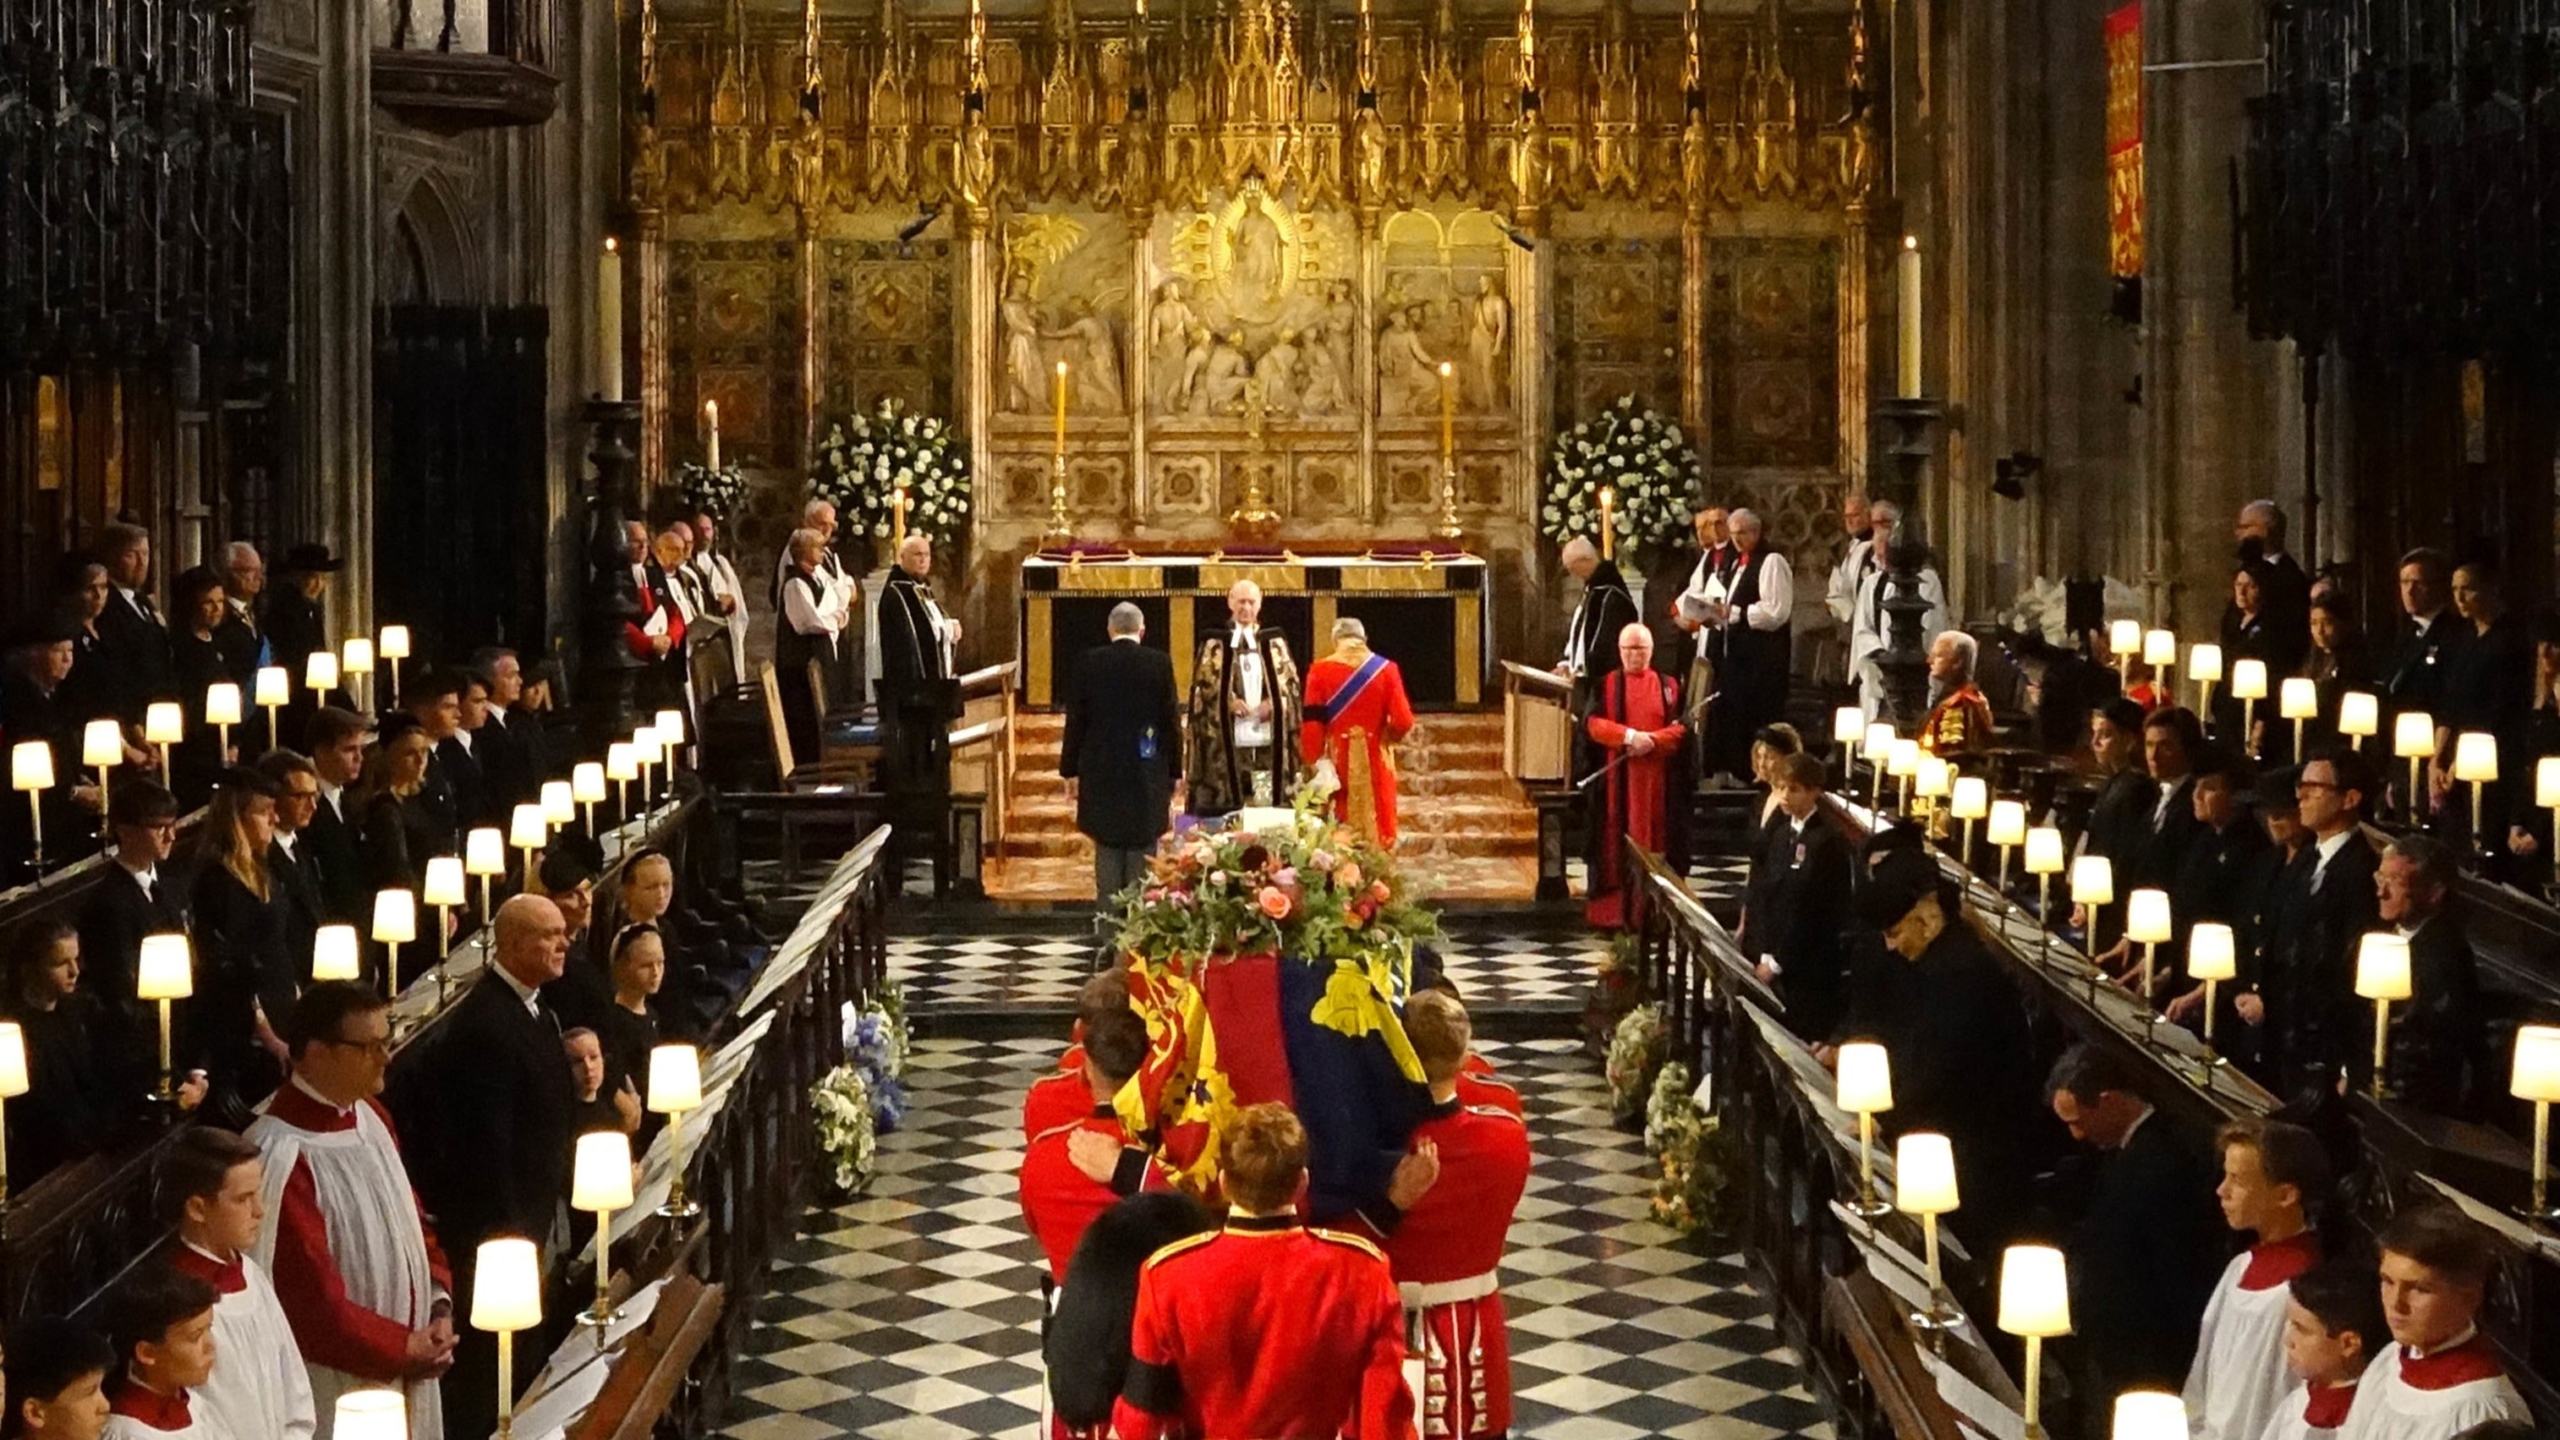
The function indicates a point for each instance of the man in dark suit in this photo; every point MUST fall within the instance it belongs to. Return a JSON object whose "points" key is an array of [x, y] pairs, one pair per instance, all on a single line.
{"points": [[1792, 920], [2172, 742], [917, 702], [2284, 591], [2147, 1246], [1123, 750], [2304, 979], [2422, 646], [242, 642], [2436, 1059], [435, 699], [336, 744], [512, 755], [465, 757], [507, 1112], [289, 857], [138, 895], [133, 641]]}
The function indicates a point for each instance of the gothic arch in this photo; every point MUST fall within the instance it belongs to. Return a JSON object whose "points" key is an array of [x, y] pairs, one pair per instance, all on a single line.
{"points": [[430, 249]]}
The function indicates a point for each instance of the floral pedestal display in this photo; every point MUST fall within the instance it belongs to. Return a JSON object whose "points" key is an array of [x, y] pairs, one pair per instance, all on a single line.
{"points": [[860, 1100], [1272, 963]]}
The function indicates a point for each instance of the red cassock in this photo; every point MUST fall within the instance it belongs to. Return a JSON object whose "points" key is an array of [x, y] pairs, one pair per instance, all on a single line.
{"points": [[1356, 711], [1266, 1329], [1445, 1250], [1055, 1100], [1636, 793], [1059, 1200], [635, 633]]}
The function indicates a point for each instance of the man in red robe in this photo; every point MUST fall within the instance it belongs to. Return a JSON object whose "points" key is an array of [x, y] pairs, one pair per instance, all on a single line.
{"points": [[1266, 1327], [1642, 792], [1073, 1172], [1445, 1246], [1355, 713]]}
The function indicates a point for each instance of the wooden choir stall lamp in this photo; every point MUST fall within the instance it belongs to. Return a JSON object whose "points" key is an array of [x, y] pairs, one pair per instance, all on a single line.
{"points": [[2035, 1305], [2298, 700], [274, 687], [506, 1297], [621, 766], [2359, 716], [529, 832], [102, 749], [166, 972], [355, 661], [2204, 666], [601, 1184], [13, 1083], [484, 853], [1969, 801], [2147, 923], [2213, 956], [2382, 976], [31, 774], [320, 675], [335, 953], [1924, 1184], [2535, 1079], [2006, 831], [1848, 727], [394, 648], [222, 711], [675, 1087], [2124, 638], [1863, 1086], [2413, 738], [2249, 686], [2149, 1415], [586, 786], [559, 804], [1879, 748], [2160, 652], [1903, 764], [2045, 859], [372, 1415], [395, 923], [2093, 884], [2475, 763], [445, 888], [164, 724]]}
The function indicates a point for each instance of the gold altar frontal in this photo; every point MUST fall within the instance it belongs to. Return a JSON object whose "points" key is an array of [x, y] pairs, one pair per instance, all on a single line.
{"points": [[1426, 615]]}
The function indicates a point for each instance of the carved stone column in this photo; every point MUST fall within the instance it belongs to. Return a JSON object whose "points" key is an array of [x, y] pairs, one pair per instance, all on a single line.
{"points": [[1903, 479], [609, 673]]}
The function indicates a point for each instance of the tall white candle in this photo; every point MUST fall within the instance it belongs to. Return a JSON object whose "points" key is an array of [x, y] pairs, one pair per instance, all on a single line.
{"points": [[609, 321], [711, 441], [1906, 275]]}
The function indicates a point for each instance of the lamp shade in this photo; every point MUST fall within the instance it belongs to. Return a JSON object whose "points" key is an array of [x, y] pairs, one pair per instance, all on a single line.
{"points": [[165, 723], [2150, 1415], [1935, 778], [484, 851], [2093, 881], [222, 703], [274, 685], [320, 672], [2536, 1073], [166, 970], [1924, 1174], [670, 738], [356, 655], [670, 727], [1864, 1079], [2213, 952], [444, 881], [621, 761], [528, 830], [2160, 647], [644, 745], [2146, 917], [1970, 799], [2008, 822], [102, 743], [675, 1079], [2360, 714], [395, 642], [2204, 661], [333, 952], [2044, 851], [2413, 735], [1902, 761], [395, 915], [2475, 757], [31, 765], [2035, 1294], [559, 802], [2124, 637], [1848, 725], [1879, 742], [2382, 966], [2249, 679], [13, 1060], [372, 1415], [2299, 698], [586, 782], [2546, 782], [506, 1291], [602, 1179]]}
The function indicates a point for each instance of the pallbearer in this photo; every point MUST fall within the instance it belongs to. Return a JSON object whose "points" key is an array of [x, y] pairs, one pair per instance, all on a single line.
{"points": [[1356, 713]]}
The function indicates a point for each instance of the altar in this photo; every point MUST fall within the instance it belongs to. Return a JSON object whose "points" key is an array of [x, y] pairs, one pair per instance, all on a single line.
{"points": [[1427, 615]]}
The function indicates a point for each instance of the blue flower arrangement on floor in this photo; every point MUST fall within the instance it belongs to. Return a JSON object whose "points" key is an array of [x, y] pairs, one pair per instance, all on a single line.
{"points": [[860, 1100]]}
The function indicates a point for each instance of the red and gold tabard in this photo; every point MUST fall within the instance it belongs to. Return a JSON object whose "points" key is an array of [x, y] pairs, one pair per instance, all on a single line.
{"points": [[1961, 722], [1445, 1250], [1266, 1330]]}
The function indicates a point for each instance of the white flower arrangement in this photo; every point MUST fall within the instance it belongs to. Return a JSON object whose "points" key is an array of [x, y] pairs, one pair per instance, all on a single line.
{"points": [[870, 455], [715, 493], [1636, 1052], [1646, 463], [847, 1133]]}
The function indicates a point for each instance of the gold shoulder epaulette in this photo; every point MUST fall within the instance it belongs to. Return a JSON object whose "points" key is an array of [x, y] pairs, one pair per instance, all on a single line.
{"points": [[1182, 1246], [1339, 1237]]}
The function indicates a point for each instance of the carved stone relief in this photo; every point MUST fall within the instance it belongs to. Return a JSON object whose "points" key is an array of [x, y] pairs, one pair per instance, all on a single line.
{"points": [[1443, 298], [1064, 300], [888, 325], [1251, 288]]}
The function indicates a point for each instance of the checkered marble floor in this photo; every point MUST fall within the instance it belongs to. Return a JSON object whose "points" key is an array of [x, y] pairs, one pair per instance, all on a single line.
{"points": [[913, 1312]]}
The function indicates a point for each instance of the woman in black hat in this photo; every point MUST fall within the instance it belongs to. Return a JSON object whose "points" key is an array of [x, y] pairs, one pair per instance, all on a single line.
{"points": [[297, 624]]}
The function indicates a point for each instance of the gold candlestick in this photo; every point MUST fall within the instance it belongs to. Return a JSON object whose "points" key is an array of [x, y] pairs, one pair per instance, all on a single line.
{"points": [[1059, 532], [1449, 528]]}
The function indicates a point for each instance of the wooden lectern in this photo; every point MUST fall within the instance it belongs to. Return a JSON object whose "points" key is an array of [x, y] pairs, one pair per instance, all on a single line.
{"points": [[1537, 751]]}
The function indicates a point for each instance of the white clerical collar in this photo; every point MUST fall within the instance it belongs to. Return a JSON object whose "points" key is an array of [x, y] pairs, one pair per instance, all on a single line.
{"points": [[1244, 634], [323, 1101], [2469, 1334], [1124, 639]]}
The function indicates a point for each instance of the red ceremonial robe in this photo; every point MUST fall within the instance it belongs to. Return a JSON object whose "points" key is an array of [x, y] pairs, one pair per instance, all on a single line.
{"points": [[1637, 793], [1266, 1329], [1358, 734], [1444, 1252]]}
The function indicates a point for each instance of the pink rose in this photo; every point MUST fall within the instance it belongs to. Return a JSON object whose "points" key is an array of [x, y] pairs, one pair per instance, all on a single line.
{"points": [[1286, 875], [1322, 859], [1274, 902]]}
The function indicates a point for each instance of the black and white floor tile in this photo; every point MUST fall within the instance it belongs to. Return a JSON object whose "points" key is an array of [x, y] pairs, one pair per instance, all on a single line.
{"points": [[913, 1312]]}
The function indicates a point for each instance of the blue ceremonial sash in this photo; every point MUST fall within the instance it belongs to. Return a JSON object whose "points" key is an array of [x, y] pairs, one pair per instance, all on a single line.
{"points": [[1370, 669]]}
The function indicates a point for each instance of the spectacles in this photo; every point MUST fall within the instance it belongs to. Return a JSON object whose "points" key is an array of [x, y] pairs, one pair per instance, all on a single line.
{"points": [[2313, 785], [377, 1048]]}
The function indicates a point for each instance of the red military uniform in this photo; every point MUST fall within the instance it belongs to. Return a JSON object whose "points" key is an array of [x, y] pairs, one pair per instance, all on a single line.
{"points": [[1961, 722], [1059, 1200], [1055, 1100], [1445, 1250], [1266, 1329], [1356, 711], [1477, 1086]]}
